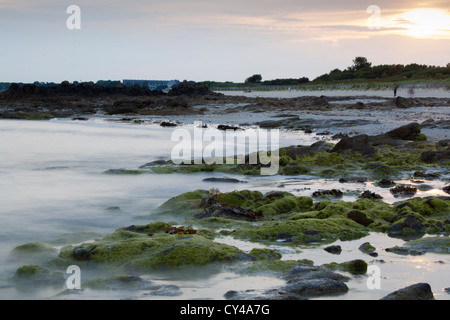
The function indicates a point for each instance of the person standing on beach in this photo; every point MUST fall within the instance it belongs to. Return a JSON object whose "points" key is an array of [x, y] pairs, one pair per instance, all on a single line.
{"points": [[395, 91]]}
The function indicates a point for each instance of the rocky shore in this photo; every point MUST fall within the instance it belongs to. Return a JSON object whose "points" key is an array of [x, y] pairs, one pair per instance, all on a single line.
{"points": [[185, 231]]}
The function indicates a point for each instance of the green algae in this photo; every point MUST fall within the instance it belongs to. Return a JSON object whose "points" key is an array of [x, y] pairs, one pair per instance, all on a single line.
{"points": [[32, 277], [429, 206], [304, 230], [440, 244], [138, 250], [33, 252], [353, 267], [265, 254]]}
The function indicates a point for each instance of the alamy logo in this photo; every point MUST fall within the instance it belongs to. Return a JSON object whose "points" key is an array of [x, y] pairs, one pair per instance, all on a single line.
{"points": [[73, 22], [251, 146], [374, 280], [374, 20], [74, 280]]}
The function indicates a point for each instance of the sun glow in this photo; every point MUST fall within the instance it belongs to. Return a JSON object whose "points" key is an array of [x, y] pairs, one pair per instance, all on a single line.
{"points": [[426, 23]]}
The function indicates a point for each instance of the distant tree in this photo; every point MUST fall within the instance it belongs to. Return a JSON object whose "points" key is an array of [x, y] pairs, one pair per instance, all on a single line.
{"points": [[448, 65], [256, 78], [361, 63]]}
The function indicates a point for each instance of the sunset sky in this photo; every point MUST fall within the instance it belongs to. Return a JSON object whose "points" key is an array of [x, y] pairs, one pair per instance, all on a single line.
{"points": [[214, 40]]}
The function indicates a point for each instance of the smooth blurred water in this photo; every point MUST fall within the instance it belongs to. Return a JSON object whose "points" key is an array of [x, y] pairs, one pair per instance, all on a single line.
{"points": [[53, 184]]}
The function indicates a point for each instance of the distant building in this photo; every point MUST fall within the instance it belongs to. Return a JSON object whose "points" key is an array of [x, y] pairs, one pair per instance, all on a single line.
{"points": [[153, 84]]}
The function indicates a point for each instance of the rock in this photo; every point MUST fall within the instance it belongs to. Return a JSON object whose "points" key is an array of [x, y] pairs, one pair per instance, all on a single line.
{"points": [[408, 132], [370, 195], [367, 248], [358, 144], [191, 89], [224, 180], [354, 266], [359, 217], [404, 190], [430, 244], [333, 249], [222, 211], [446, 189], [419, 291], [316, 287], [404, 251], [435, 156], [168, 124], [385, 183], [283, 237], [409, 222], [230, 294], [31, 277], [320, 101], [224, 127], [423, 175], [33, 252], [264, 254], [323, 193], [403, 103]]}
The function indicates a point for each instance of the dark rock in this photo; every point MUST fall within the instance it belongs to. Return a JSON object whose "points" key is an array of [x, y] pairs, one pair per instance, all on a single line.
{"points": [[435, 156], [423, 175], [320, 101], [168, 124], [222, 211], [334, 249], [408, 132], [420, 291], [404, 190], [370, 195], [410, 223], [384, 183], [339, 136], [404, 251], [225, 180], [323, 193], [192, 89], [307, 272], [358, 144], [284, 237], [359, 217], [367, 248], [446, 189], [227, 127], [230, 294], [403, 103], [316, 287]]}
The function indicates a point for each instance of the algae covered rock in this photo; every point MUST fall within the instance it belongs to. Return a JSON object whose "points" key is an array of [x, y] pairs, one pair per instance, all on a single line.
{"points": [[33, 252], [33, 277], [354, 266], [141, 251], [437, 244], [265, 254]]}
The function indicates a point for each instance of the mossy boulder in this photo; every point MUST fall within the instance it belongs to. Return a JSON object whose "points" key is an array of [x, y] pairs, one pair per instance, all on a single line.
{"points": [[304, 230], [437, 244], [32, 277], [265, 254], [137, 250], [354, 267], [35, 252]]}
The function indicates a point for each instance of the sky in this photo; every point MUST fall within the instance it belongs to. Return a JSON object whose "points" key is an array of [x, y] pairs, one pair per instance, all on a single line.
{"points": [[227, 40]]}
